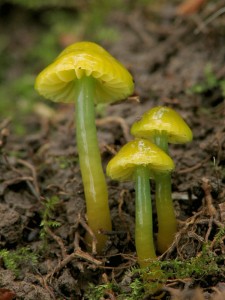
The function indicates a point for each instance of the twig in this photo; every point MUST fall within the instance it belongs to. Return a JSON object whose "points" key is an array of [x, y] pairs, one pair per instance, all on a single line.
{"points": [[6, 183], [34, 174], [193, 168], [58, 241], [88, 229], [76, 254], [208, 197], [43, 282], [210, 222], [117, 120], [209, 20], [67, 258]]}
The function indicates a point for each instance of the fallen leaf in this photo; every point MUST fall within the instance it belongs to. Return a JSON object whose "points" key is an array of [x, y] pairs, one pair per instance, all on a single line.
{"points": [[6, 294], [189, 7]]}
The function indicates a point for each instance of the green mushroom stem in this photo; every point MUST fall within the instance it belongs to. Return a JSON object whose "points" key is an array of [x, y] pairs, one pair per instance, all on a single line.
{"points": [[167, 224], [93, 177], [143, 218], [161, 140], [144, 240]]}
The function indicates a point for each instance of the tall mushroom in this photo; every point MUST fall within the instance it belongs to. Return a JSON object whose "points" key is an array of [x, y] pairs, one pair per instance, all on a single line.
{"points": [[163, 125], [138, 160], [86, 74]]}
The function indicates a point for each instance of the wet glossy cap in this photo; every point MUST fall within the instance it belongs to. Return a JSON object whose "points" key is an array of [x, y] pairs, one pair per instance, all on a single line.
{"points": [[163, 119], [58, 81], [139, 152]]}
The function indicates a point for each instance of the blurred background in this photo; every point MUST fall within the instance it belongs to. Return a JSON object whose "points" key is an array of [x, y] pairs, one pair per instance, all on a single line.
{"points": [[33, 32]]}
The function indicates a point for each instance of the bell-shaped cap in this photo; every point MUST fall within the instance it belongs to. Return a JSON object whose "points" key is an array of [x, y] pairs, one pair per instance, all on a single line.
{"points": [[162, 119], [58, 81], [139, 152]]}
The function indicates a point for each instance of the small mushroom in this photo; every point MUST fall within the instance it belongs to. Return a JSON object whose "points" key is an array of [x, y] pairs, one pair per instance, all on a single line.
{"points": [[138, 160], [86, 74], [163, 125]]}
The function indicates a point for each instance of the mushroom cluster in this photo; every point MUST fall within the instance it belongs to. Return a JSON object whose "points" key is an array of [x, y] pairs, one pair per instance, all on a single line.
{"points": [[147, 158], [163, 125], [86, 74]]}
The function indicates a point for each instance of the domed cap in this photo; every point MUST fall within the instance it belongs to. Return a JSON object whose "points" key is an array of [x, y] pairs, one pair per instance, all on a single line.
{"points": [[136, 153], [165, 120], [58, 81]]}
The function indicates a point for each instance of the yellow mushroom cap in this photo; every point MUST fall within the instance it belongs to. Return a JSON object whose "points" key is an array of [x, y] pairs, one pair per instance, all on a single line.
{"points": [[58, 81], [139, 152], [162, 119]]}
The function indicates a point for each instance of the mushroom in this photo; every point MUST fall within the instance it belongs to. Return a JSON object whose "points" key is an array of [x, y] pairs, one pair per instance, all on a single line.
{"points": [[86, 74], [163, 125], [138, 160]]}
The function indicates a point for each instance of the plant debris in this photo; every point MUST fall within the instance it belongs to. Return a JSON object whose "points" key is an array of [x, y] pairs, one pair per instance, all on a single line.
{"points": [[39, 161]]}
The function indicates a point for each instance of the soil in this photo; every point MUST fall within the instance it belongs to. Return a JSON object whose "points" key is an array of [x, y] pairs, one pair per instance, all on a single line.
{"points": [[167, 55]]}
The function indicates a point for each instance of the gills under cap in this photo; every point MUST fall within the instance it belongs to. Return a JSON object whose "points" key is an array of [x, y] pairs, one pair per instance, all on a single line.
{"points": [[139, 152], [58, 81], [162, 119]]}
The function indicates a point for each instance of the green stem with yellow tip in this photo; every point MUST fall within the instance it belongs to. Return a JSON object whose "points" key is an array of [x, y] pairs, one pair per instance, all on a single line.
{"points": [[93, 177], [167, 224], [143, 218]]}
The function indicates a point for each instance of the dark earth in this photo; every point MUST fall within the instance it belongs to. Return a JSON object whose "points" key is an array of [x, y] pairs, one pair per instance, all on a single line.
{"points": [[177, 59]]}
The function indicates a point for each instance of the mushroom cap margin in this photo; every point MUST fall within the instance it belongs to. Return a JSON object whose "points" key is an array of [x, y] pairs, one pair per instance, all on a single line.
{"points": [[139, 152], [57, 82], [163, 119]]}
